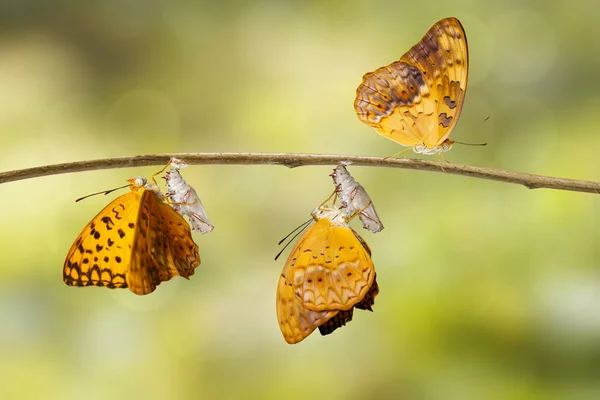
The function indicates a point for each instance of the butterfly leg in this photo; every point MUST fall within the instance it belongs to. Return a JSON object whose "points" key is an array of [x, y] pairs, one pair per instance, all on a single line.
{"points": [[181, 203], [360, 211], [334, 195], [161, 171], [395, 155]]}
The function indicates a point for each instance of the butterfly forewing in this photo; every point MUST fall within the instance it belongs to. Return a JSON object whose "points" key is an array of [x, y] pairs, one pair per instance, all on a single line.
{"points": [[295, 321], [101, 252], [417, 100]]}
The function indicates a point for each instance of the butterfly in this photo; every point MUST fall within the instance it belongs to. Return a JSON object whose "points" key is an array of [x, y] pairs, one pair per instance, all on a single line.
{"points": [[184, 198], [328, 274], [136, 241], [355, 199], [417, 100]]}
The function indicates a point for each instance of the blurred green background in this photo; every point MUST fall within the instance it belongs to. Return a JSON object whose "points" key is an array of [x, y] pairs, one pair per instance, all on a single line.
{"points": [[488, 290]]}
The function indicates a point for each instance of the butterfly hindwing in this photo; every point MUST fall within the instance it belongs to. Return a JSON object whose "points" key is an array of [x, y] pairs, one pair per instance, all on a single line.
{"points": [[163, 247], [332, 269]]}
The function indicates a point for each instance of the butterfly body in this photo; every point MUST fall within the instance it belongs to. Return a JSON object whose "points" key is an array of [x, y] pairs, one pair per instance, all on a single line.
{"points": [[329, 271], [137, 241], [417, 100]]}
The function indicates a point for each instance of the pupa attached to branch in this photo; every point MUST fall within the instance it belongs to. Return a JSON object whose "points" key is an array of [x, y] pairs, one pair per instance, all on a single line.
{"points": [[184, 198], [355, 199]]}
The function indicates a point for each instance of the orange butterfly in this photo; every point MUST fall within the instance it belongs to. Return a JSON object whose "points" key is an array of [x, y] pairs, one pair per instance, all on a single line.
{"points": [[137, 241], [328, 274], [417, 100]]}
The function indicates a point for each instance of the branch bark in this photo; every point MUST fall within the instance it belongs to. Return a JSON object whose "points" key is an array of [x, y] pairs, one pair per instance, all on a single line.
{"points": [[291, 160]]}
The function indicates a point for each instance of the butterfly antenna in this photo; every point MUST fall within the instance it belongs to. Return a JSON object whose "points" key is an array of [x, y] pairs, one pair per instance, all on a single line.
{"points": [[105, 192], [471, 144], [300, 228]]}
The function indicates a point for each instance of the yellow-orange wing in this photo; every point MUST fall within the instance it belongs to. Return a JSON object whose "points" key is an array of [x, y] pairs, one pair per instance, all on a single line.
{"points": [[101, 253], [417, 100], [328, 272], [295, 321], [332, 269], [343, 317], [137, 241], [163, 246]]}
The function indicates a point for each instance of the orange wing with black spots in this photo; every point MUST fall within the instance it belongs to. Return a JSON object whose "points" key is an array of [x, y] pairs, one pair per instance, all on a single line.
{"points": [[101, 253], [137, 241], [163, 247], [417, 100]]}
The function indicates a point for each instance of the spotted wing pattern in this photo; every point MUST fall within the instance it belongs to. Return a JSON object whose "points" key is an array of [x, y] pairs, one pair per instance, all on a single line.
{"points": [[101, 253], [328, 272], [417, 100], [137, 241], [163, 247], [332, 271]]}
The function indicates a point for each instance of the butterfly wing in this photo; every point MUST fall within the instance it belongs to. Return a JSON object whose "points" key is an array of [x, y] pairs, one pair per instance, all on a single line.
{"points": [[163, 246], [418, 99], [332, 269], [337, 321], [101, 253], [443, 57], [295, 321]]}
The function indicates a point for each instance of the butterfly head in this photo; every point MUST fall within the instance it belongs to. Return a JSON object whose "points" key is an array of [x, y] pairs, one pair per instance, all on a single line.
{"points": [[333, 214], [137, 182], [441, 148]]}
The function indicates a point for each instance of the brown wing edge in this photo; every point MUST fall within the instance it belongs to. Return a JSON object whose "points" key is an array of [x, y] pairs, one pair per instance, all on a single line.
{"points": [[343, 317]]}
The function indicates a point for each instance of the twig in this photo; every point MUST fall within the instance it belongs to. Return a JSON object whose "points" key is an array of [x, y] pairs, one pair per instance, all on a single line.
{"points": [[296, 160]]}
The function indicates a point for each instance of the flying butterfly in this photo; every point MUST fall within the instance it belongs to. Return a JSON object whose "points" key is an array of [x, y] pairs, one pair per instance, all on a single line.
{"points": [[137, 241], [184, 198], [417, 100], [355, 199], [328, 274]]}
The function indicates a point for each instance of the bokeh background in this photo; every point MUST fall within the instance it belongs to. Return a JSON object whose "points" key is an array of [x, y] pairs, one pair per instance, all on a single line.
{"points": [[488, 290]]}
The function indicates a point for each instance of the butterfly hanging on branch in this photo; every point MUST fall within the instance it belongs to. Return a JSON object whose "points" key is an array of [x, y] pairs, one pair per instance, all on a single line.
{"points": [[137, 241], [417, 100], [328, 274]]}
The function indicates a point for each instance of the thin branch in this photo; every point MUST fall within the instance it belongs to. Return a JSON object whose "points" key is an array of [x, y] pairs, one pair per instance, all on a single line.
{"points": [[297, 160]]}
